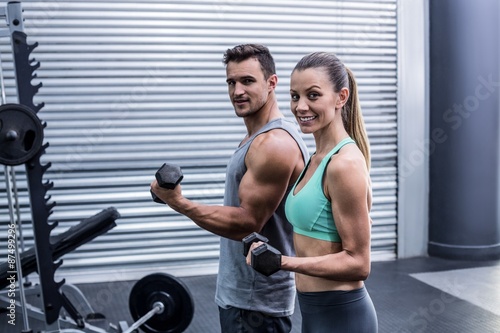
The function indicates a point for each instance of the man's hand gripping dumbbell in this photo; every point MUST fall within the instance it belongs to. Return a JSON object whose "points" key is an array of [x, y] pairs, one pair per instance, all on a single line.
{"points": [[264, 258], [167, 177]]}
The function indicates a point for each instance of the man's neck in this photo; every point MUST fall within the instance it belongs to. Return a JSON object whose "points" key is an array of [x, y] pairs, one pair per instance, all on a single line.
{"points": [[267, 113]]}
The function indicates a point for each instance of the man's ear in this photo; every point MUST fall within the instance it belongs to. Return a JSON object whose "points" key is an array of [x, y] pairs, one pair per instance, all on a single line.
{"points": [[272, 82], [343, 96]]}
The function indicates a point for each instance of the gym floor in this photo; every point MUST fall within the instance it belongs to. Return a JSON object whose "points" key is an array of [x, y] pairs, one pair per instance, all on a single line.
{"points": [[410, 296]]}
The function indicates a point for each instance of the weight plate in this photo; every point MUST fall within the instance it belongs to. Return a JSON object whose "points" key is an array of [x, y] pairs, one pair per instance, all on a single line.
{"points": [[175, 296], [21, 134]]}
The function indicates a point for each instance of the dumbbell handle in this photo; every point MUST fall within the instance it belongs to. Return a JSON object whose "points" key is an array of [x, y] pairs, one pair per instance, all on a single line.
{"points": [[158, 307], [250, 239]]}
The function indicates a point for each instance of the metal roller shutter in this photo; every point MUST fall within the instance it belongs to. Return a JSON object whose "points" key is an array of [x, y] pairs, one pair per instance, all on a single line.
{"points": [[130, 85]]}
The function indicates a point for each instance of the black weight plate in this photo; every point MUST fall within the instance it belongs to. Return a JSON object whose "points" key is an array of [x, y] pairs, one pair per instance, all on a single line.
{"points": [[162, 287], [21, 134]]}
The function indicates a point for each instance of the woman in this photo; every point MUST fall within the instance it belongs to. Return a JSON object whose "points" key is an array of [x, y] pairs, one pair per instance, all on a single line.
{"points": [[330, 203]]}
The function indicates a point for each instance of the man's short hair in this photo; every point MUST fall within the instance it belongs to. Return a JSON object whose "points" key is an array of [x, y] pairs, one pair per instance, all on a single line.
{"points": [[243, 52]]}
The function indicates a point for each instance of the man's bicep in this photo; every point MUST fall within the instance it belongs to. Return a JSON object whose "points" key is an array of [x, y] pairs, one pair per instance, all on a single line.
{"points": [[263, 187]]}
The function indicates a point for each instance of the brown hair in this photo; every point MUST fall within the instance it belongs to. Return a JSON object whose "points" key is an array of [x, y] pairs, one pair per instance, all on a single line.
{"points": [[340, 76], [243, 52]]}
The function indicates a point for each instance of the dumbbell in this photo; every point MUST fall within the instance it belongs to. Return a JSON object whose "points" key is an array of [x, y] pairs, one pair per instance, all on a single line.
{"points": [[168, 176], [250, 239], [265, 259]]}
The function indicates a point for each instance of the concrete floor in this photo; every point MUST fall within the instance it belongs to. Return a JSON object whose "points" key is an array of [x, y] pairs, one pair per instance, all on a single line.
{"points": [[418, 295]]}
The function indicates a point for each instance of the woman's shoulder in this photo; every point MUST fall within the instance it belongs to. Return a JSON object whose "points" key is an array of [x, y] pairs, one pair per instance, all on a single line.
{"points": [[348, 162]]}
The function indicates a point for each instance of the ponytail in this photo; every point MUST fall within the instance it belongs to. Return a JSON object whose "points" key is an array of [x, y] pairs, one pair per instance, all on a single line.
{"points": [[353, 119]]}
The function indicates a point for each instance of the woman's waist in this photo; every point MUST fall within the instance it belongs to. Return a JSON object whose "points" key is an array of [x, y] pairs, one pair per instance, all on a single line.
{"points": [[306, 283]]}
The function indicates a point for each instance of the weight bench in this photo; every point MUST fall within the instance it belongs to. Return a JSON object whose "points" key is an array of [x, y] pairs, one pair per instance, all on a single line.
{"points": [[63, 243], [67, 241]]}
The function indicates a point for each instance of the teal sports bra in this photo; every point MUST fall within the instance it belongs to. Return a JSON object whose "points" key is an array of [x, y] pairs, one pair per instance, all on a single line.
{"points": [[309, 211]]}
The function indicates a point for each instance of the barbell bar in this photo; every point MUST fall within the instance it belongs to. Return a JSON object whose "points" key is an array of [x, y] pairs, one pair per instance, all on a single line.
{"points": [[158, 308]]}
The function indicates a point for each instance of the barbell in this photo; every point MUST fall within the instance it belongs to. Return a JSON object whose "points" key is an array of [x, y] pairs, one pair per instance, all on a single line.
{"points": [[160, 303]]}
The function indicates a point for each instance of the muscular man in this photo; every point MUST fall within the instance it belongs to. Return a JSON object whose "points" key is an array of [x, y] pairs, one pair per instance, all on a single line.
{"points": [[259, 175]]}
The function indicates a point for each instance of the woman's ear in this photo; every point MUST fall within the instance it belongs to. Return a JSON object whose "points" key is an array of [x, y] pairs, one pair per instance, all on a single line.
{"points": [[343, 96]]}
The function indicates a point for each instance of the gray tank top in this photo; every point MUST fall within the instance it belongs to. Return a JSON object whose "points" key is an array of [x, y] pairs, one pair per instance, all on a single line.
{"points": [[238, 285]]}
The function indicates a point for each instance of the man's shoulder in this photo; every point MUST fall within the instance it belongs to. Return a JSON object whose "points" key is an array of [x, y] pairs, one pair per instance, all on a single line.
{"points": [[274, 151], [275, 139], [279, 129]]}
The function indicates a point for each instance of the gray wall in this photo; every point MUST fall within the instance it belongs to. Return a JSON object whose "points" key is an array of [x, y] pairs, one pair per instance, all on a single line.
{"points": [[129, 85], [464, 129]]}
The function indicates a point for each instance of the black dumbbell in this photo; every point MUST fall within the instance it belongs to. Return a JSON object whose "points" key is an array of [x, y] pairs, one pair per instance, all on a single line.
{"points": [[168, 176], [265, 259], [250, 239]]}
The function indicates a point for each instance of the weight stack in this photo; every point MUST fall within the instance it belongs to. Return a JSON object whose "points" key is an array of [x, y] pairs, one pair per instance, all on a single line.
{"points": [[464, 140]]}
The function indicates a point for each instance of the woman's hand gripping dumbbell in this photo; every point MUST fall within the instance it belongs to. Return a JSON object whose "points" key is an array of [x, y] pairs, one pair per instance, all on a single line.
{"points": [[264, 258]]}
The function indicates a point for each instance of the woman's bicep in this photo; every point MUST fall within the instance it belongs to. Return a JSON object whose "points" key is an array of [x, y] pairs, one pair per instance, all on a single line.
{"points": [[348, 189]]}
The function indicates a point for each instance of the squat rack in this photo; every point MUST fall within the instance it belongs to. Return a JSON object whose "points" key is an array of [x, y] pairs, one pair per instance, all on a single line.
{"points": [[21, 142], [158, 302]]}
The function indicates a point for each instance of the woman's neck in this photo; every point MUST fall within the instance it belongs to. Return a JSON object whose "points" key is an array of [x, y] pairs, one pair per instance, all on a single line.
{"points": [[328, 137]]}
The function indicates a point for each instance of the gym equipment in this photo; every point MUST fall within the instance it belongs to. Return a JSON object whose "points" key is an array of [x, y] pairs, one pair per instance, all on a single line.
{"points": [[21, 134], [168, 176], [21, 142], [160, 303], [30, 152], [265, 259], [67, 241], [250, 239]]}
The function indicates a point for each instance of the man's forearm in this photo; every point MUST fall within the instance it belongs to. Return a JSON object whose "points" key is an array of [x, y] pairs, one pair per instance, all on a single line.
{"points": [[225, 221]]}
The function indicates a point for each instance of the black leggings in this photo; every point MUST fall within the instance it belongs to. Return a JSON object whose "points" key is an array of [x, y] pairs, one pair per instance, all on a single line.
{"points": [[338, 311]]}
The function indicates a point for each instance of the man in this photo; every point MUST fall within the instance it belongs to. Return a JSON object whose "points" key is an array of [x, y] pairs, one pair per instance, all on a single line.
{"points": [[259, 176]]}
